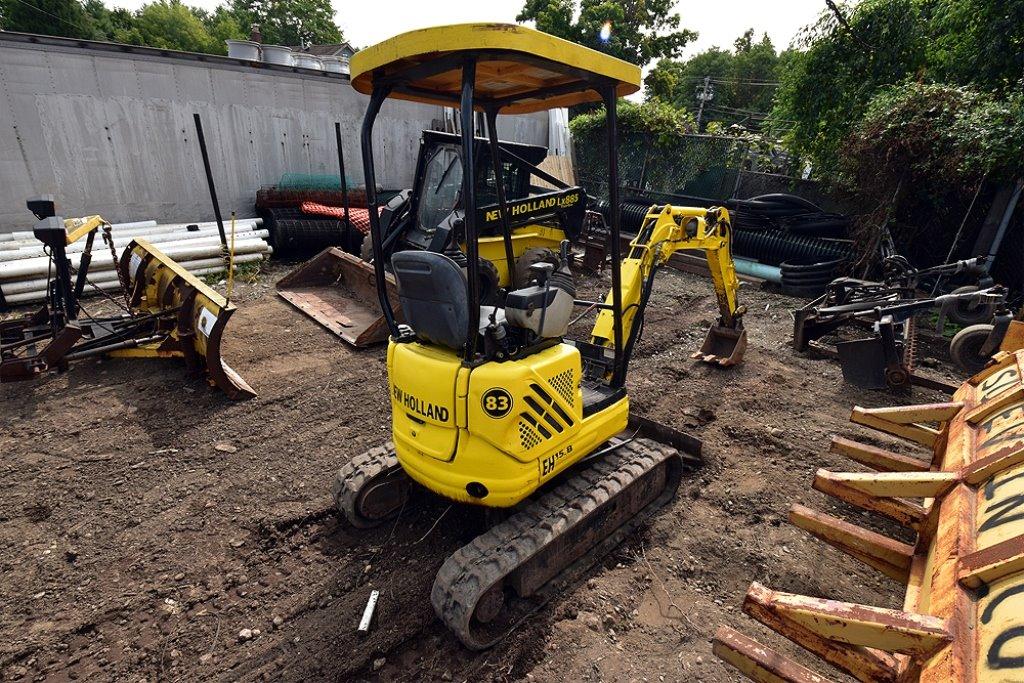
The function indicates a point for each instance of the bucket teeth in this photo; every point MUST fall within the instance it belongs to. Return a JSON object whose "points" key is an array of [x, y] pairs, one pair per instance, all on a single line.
{"points": [[962, 493]]}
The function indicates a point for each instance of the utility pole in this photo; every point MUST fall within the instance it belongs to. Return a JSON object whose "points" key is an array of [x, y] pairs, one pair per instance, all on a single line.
{"points": [[705, 93]]}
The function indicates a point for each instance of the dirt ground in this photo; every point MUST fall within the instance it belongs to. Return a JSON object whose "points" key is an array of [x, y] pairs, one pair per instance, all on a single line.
{"points": [[146, 521]]}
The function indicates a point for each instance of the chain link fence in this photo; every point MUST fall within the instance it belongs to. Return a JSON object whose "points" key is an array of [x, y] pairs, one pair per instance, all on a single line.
{"points": [[713, 167], [695, 165], [676, 168]]}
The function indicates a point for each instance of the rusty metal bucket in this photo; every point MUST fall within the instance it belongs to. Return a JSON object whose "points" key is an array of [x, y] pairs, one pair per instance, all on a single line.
{"points": [[723, 346], [339, 291]]}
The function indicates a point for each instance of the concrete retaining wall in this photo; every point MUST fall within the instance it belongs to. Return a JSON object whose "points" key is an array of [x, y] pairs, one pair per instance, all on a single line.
{"points": [[108, 129]]}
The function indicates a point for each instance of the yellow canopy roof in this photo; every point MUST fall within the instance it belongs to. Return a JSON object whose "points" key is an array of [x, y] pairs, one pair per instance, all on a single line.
{"points": [[519, 69]]}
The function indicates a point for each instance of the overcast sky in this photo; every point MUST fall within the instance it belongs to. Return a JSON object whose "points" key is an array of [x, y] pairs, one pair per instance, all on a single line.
{"points": [[719, 22]]}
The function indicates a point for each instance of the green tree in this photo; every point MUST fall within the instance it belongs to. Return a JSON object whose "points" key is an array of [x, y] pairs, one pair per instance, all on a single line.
{"points": [[50, 17], [753, 65], [977, 42], [109, 24], [826, 87], [641, 30], [289, 22], [677, 81], [740, 78], [222, 24], [171, 25]]}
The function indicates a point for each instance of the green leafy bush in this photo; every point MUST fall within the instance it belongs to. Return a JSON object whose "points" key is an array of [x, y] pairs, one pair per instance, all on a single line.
{"points": [[935, 134], [653, 117]]}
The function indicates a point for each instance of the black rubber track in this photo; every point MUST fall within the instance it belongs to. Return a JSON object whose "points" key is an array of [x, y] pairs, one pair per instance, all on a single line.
{"points": [[554, 516]]}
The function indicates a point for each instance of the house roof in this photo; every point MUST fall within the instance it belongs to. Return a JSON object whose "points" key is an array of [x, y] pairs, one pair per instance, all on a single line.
{"points": [[330, 49]]}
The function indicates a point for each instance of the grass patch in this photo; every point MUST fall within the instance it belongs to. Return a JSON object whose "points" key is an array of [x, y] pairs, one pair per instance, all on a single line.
{"points": [[244, 272]]}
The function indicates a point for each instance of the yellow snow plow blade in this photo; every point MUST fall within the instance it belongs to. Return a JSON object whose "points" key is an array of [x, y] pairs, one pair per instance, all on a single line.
{"points": [[156, 285], [339, 291]]}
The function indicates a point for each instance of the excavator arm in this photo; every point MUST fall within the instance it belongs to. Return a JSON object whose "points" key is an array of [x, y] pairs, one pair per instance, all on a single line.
{"points": [[664, 231]]}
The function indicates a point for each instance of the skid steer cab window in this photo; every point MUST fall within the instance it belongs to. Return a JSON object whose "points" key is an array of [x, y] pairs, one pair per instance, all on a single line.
{"points": [[487, 193], [442, 183]]}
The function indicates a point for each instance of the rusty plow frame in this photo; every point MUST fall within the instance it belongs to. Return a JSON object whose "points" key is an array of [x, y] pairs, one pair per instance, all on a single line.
{"points": [[961, 498]]}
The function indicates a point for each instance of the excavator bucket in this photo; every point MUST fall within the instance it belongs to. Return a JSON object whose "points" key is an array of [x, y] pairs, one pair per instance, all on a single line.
{"points": [[339, 291], [154, 285], [723, 346]]}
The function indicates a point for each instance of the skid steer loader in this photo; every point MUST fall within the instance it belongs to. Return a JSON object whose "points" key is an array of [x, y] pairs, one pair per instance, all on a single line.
{"points": [[330, 286], [166, 311], [492, 404]]}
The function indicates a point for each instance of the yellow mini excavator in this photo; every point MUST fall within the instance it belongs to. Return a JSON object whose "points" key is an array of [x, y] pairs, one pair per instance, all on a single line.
{"points": [[492, 405]]}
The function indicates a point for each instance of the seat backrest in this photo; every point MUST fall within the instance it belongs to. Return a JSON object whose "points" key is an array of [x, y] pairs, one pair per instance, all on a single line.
{"points": [[434, 296]]}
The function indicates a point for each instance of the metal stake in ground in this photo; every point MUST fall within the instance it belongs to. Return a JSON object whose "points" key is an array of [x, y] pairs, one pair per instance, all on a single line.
{"points": [[341, 171], [209, 181]]}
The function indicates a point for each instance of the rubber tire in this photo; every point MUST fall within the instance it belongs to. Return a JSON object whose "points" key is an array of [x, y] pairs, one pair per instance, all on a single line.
{"points": [[965, 347], [488, 287], [964, 316], [803, 292], [530, 257]]}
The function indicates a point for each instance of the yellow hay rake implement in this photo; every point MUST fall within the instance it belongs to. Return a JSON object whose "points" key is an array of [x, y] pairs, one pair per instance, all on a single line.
{"points": [[963, 612]]}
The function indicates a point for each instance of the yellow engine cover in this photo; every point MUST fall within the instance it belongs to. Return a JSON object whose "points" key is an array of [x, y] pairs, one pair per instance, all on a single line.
{"points": [[491, 434]]}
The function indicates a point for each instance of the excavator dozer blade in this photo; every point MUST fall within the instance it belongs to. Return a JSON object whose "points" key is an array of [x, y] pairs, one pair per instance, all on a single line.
{"points": [[723, 346], [688, 445], [155, 284], [339, 291]]}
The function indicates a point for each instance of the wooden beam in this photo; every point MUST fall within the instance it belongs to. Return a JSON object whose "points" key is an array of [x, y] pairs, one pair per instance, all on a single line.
{"points": [[759, 663], [899, 484], [862, 663], [905, 512], [890, 557], [877, 458], [891, 630]]}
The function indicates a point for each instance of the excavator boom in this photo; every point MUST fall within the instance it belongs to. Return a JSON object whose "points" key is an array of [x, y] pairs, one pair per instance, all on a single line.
{"points": [[666, 230]]}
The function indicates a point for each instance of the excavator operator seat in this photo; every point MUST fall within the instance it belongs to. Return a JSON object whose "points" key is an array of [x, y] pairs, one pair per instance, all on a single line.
{"points": [[434, 295]]}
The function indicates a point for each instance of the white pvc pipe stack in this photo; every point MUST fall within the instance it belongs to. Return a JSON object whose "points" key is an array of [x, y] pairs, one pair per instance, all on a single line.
{"points": [[27, 239], [22, 286], [194, 267], [120, 243], [24, 266], [11, 270]]}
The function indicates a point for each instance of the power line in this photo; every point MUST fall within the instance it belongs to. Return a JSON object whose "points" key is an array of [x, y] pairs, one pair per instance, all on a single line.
{"points": [[742, 82], [58, 18], [731, 81]]}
